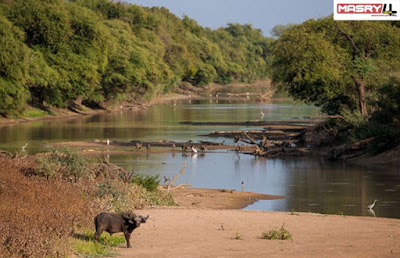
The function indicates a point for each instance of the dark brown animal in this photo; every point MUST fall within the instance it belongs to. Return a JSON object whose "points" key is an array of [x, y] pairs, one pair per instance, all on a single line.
{"points": [[118, 222]]}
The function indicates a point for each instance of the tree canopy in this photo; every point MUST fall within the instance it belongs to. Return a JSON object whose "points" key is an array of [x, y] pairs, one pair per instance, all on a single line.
{"points": [[339, 65], [53, 51]]}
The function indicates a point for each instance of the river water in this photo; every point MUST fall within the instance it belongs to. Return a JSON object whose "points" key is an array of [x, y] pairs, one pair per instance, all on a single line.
{"points": [[310, 185]]}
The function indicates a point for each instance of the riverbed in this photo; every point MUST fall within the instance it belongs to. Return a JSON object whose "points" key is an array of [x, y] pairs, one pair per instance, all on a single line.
{"points": [[310, 185]]}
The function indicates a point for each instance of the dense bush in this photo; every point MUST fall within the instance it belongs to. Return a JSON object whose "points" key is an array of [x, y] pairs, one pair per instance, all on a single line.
{"points": [[54, 51], [150, 183], [65, 163]]}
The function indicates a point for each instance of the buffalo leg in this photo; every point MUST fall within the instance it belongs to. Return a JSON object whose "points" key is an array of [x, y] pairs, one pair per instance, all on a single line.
{"points": [[127, 238], [97, 234]]}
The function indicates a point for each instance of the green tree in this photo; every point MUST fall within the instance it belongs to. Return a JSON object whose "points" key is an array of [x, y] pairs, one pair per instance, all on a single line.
{"points": [[336, 64], [14, 64]]}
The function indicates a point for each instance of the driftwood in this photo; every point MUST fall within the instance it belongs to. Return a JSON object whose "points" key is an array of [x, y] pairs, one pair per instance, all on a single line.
{"points": [[111, 170], [170, 186], [256, 134], [350, 151], [6, 154], [9, 155], [269, 149]]}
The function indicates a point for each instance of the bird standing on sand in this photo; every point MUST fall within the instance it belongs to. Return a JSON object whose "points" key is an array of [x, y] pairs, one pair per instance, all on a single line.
{"points": [[371, 206], [23, 147]]}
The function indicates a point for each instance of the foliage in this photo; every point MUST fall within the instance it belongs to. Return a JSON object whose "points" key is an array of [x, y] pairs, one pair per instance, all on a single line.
{"points": [[279, 29], [384, 123], [339, 65], [293, 213], [83, 244], [104, 50], [13, 66], [150, 183], [275, 234], [63, 162], [35, 112], [238, 236]]}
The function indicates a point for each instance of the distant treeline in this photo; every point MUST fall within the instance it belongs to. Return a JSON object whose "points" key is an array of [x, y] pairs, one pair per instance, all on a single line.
{"points": [[54, 51]]}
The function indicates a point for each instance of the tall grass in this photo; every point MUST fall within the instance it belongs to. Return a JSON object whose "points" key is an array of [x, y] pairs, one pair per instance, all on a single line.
{"points": [[83, 244]]}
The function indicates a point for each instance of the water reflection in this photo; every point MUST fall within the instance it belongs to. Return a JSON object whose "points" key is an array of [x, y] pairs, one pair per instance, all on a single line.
{"points": [[159, 122], [309, 185]]}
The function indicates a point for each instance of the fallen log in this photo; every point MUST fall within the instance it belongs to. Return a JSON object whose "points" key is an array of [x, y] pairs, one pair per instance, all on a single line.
{"points": [[256, 134], [350, 151]]}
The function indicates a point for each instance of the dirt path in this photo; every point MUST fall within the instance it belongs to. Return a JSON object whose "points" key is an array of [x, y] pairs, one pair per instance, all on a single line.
{"points": [[184, 232]]}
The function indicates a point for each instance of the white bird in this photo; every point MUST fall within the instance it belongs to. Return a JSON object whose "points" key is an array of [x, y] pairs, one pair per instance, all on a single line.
{"points": [[262, 113], [23, 147], [371, 206], [194, 150], [108, 142], [175, 104]]}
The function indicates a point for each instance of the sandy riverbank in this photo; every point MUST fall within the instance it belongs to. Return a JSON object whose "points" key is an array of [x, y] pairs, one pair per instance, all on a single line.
{"points": [[185, 232]]}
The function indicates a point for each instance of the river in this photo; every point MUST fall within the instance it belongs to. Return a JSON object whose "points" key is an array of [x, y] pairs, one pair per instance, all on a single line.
{"points": [[310, 185]]}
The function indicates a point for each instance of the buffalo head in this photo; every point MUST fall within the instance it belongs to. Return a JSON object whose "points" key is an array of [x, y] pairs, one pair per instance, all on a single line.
{"points": [[133, 219]]}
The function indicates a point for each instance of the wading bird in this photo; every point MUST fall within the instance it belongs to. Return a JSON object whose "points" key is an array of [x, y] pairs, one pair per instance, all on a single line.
{"points": [[23, 147], [371, 206]]}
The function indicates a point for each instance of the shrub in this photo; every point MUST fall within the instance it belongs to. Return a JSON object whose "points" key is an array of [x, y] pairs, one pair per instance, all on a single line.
{"points": [[150, 183], [275, 234], [64, 162], [238, 236]]}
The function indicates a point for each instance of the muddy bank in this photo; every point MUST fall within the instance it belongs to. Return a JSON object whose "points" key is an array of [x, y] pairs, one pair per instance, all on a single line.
{"points": [[212, 91], [79, 110], [217, 198]]}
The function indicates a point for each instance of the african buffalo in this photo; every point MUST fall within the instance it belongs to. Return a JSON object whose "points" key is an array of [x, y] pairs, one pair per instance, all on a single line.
{"points": [[118, 222]]}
